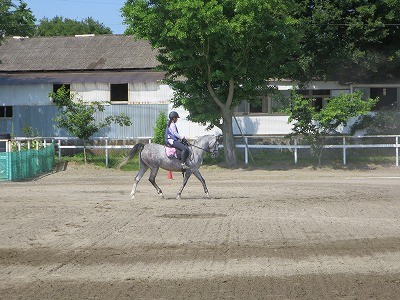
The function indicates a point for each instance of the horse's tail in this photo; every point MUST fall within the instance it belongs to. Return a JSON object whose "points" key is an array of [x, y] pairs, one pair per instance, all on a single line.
{"points": [[132, 153]]}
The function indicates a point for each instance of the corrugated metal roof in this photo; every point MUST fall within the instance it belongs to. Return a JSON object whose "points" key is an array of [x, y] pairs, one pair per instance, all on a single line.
{"points": [[98, 52], [81, 77]]}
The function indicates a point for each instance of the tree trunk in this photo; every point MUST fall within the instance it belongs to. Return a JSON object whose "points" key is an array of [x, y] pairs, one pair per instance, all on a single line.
{"points": [[228, 139], [227, 128], [84, 152]]}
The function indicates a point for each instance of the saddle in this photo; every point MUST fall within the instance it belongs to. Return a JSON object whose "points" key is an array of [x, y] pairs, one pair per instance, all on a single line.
{"points": [[171, 152]]}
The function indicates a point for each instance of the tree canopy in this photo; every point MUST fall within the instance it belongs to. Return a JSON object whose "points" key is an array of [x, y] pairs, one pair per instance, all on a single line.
{"points": [[59, 26], [350, 41], [315, 125], [217, 53], [16, 19]]}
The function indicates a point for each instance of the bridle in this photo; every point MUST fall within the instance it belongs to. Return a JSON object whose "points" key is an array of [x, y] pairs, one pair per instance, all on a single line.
{"points": [[214, 151]]}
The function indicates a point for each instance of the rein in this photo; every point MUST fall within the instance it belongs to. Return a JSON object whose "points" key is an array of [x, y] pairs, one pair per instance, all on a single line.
{"points": [[205, 150]]}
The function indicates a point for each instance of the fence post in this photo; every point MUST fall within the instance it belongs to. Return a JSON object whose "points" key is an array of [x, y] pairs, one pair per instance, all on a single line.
{"points": [[246, 154], [59, 150], [397, 151], [344, 150], [295, 151], [106, 139]]}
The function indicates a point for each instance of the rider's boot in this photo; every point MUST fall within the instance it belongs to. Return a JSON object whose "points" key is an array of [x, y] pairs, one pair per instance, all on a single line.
{"points": [[184, 155]]}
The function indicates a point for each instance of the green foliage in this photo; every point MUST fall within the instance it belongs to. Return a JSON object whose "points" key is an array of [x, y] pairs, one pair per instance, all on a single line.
{"points": [[223, 50], [340, 109], [16, 19], [78, 118], [159, 130], [59, 26], [350, 40], [382, 122], [29, 132], [313, 125]]}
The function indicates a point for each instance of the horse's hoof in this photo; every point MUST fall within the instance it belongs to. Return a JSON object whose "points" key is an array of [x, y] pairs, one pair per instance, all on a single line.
{"points": [[132, 197], [208, 195], [161, 195], [178, 197]]}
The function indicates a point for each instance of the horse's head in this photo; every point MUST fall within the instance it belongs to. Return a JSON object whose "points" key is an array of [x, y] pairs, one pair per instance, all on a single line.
{"points": [[214, 146]]}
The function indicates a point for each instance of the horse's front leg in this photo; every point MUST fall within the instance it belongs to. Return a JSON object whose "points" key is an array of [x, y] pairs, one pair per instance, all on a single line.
{"points": [[185, 180], [152, 179], [139, 176], [203, 182]]}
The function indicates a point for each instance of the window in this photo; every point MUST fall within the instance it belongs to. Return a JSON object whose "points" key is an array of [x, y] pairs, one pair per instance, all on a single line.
{"points": [[58, 86], [6, 112], [319, 96], [247, 107], [387, 98], [119, 92]]}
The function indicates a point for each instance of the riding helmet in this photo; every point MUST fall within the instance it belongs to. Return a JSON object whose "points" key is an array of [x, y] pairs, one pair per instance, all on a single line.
{"points": [[173, 114]]}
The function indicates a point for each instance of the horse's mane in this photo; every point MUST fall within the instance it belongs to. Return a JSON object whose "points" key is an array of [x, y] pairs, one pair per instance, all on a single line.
{"points": [[200, 138]]}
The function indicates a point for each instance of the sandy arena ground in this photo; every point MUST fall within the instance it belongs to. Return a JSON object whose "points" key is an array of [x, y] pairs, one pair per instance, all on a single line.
{"points": [[295, 234]]}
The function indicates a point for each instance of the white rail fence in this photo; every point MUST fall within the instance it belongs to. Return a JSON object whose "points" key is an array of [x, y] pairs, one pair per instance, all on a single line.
{"points": [[344, 146], [294, 146]]}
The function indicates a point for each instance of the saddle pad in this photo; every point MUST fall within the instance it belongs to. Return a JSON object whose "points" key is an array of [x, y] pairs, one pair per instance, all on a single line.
{"points": [[170, 151]]}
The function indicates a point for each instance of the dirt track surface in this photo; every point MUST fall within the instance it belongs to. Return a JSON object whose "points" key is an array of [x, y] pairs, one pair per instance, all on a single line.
{"points": [[296, 234]]}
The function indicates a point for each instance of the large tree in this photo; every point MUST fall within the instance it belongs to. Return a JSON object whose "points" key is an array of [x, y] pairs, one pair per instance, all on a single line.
{"points": [[16, 19], [59, 26], [217, 53]]}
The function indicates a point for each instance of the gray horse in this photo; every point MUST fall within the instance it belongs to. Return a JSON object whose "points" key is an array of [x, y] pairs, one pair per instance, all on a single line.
{"points": [[153, 156]]}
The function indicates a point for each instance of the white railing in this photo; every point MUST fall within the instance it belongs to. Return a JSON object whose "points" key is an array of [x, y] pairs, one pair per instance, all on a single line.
{"points": [[20, 142], [294, 147], [344, 146]]}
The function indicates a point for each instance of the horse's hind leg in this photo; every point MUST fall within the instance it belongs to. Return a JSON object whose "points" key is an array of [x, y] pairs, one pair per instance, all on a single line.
{"points": [[138, 176], [152, 179]]}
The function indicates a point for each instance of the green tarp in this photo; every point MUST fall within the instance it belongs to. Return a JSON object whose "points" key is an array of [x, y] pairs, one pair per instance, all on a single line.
{"points": [[26, 164]]}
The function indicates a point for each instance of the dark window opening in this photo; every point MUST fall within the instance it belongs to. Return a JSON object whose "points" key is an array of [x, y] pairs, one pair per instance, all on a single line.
{"points": [[321, 92], [56, 87], [303, 92], [256, 107], [119, 92], [387, 98], [317, 103], [6, 112], [318, 97]]}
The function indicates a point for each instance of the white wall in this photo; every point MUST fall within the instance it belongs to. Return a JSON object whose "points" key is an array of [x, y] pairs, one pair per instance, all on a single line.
{"points": [[89, 92], [191, 129], [149, 93], [262, 125], [285, 85]]}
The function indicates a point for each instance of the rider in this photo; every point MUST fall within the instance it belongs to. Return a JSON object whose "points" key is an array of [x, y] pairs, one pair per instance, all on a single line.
{"points": [[174, 139]]}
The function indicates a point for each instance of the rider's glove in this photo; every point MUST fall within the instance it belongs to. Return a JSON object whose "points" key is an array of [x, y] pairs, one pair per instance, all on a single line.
{"points": [[185, 142]]}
